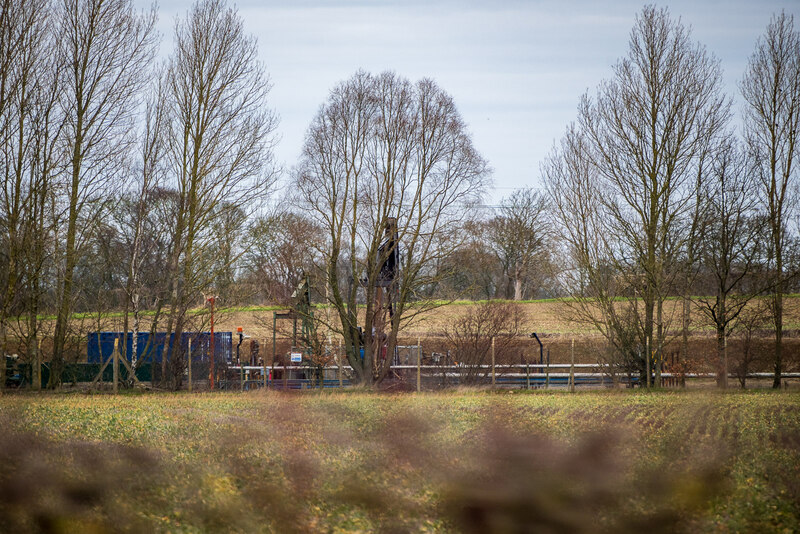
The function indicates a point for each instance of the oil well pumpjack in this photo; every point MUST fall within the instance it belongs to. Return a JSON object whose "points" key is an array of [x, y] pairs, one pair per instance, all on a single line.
{"points": [[385, 295], [384, 300]]}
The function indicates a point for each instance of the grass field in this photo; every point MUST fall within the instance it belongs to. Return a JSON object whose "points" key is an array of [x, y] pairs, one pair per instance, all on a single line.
{"points": [[550, 316], [363, 462]]}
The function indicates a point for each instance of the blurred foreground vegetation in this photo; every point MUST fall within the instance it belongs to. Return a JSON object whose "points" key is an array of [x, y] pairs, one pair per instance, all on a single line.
{"points": [[343, 462]]}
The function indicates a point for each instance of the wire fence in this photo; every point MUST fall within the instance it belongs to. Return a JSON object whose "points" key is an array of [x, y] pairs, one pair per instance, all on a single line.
{"points": [[408, 377], [431, 377]]}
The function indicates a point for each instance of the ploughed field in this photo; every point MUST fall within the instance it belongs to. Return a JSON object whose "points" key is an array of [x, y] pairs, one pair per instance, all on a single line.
{"points": [[612, 461]]}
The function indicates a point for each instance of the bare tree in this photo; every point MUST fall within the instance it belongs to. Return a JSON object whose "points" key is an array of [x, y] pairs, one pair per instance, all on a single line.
{"points": [[648, 127], [281, 252], [730, 247], [599, 294], [690, 255], [771, 89], [106, 48], [26, 81], [519, 236], [220, 140], [149, 175], [752, 320], [227, 248], [471, 271], [389, 172], [469, 338]]}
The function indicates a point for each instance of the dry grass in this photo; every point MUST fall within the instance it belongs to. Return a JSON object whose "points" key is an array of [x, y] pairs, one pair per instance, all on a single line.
{"points": [[548, 316]]}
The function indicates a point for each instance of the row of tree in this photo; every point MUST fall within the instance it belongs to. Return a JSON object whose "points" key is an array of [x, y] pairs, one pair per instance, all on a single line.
{"points": [[108, 155], [654, 191], [133, 185]]}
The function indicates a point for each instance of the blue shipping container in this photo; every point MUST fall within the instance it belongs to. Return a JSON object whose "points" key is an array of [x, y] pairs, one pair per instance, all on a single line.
{"points": [[101, 345]]}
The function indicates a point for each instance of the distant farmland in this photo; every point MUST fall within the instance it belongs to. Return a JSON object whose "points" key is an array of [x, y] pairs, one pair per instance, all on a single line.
{"points": [[550, 319]]}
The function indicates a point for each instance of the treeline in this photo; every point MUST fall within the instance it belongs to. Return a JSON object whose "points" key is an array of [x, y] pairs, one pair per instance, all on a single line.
{"points": [[121, 174], [656, 194], [134, 185]]}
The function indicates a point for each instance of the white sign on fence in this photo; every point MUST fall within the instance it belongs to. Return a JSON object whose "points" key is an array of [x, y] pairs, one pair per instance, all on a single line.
{"points": [[297, 357]]}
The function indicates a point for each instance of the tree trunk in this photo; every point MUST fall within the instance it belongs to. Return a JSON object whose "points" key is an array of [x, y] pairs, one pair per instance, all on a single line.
{"points": [[135, 336], [132, 292], [778, 308], [722, 344], [174, 273], [3, 356], [125, 325], [36, 362], [649, 313], [685, 322], [720, 331], [660, 344], [64, 308], [776, 382]]}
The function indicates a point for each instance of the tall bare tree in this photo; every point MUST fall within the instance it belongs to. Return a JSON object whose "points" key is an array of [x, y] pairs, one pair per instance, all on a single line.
{"points": [[599, 294], [648, 127], [149, 173], [220, 140], [690, 256], [106, 48], [26, 80], [771, 89], [387, 165], [730, 246]]}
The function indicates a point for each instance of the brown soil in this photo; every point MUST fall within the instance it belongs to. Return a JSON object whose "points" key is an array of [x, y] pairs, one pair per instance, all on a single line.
{"points": [[551, 321]]}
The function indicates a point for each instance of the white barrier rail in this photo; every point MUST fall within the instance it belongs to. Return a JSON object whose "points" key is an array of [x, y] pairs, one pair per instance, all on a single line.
{"points": [[456, 370]]}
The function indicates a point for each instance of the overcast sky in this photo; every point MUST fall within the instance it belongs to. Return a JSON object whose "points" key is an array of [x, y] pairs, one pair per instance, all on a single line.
{"points": [[516, 69]]}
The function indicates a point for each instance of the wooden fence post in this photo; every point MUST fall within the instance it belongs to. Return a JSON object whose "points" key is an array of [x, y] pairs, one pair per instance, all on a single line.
{"points": [[339, 359], [493, 368], [419, 365], [190, 365], [547, 376], [38, 364], [572, 368], [528, 375], [115, 364]]}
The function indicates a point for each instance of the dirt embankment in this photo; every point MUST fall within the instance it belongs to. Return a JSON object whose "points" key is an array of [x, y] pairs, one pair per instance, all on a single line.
{"points": [[555, 325]]}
